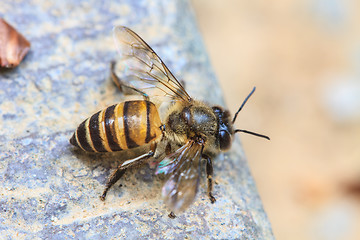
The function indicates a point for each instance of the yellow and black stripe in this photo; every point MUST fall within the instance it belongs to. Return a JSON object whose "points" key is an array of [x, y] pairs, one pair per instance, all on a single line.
{"points": [[119, 127]]}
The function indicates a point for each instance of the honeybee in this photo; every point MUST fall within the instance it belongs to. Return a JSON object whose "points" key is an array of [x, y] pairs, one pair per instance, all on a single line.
{"points": [[190, 131]]}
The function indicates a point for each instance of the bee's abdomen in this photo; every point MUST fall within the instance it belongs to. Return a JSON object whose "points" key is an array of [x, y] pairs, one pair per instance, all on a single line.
{"points": [[119, 127]]}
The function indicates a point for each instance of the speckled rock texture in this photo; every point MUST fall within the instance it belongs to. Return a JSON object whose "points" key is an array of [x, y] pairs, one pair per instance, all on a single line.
{"points": [[48, 189]]}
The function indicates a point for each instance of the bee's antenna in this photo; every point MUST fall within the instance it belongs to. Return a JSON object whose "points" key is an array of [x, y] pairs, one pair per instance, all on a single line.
{"points": [[242, 105], [252, 133]]}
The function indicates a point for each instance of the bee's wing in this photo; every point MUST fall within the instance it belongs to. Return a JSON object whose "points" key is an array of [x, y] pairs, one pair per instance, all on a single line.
{"points": [[141, 68], [183, 168]]}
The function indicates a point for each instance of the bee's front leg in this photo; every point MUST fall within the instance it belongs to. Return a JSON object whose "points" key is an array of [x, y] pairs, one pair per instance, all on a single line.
{"points": [[209, 173]]}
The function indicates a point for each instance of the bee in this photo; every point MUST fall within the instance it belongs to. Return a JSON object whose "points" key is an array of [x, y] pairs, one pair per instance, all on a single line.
{"points": [[190, 131]]}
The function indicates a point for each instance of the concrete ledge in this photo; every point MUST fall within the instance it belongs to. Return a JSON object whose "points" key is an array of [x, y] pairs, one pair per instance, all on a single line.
{"points": [[51, 191]]}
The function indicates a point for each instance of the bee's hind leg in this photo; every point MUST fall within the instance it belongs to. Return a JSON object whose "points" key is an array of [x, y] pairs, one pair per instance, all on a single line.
{"points": [[123, 87], [172, 215], [119, 172], [114, 177], [209, 173]]}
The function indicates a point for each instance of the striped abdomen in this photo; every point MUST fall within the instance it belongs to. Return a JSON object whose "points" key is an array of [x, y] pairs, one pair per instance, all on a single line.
{"points": [[122, 126]]}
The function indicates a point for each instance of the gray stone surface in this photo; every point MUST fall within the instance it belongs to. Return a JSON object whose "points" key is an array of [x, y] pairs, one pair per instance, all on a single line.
{"points": [[50, 190]]}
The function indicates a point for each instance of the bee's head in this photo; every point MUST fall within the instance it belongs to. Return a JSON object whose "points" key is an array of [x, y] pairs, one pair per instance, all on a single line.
{"points": [[225, 128], [226, 125]]}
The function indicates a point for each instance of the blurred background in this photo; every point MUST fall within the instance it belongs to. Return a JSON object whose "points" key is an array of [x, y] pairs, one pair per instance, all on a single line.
{"points": [[304, 59]]}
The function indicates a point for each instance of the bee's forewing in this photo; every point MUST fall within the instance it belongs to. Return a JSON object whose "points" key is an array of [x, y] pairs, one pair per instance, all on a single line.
{"points": [[183, 168], [141, 68]]}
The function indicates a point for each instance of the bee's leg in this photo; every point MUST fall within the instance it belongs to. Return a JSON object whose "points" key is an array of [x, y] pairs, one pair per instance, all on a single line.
{"points": [[127, 90], [172, 215], [183, 83], [114, 177], [209, 173], [119, 172]]}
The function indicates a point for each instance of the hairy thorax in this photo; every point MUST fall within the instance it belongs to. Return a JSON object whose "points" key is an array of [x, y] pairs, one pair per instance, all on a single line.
{"points": [[190, 121]]}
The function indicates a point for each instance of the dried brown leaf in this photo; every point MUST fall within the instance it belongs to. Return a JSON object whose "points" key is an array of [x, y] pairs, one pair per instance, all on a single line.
{"points": [[13, 45]]}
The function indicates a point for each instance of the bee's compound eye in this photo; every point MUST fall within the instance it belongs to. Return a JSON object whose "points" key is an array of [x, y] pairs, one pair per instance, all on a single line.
{"points": [[225, 140]]}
